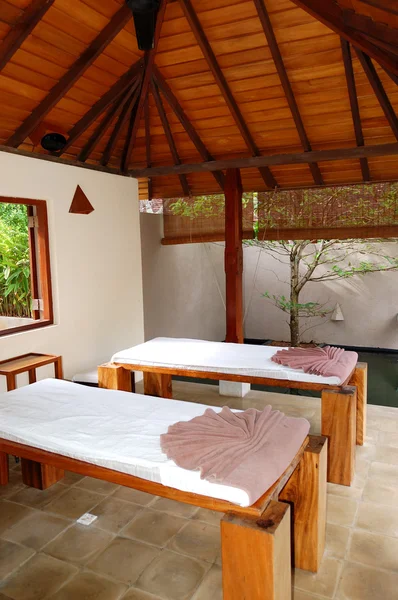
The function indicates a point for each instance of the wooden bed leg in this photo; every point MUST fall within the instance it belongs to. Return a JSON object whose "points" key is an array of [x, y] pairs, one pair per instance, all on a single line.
{"points": [[114, 377], [256, 555], [3, 468], [306, 490], [359, 379], [39, 476], [158, 384], [339, 426], [59, 373]]}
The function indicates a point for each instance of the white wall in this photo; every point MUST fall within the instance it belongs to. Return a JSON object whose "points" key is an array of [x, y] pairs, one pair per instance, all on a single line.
{"points": [[95, 263]]}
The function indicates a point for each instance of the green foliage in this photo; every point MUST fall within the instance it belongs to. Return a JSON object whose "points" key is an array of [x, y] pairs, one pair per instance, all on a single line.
{"points": [[302, 309], [15, 296]]}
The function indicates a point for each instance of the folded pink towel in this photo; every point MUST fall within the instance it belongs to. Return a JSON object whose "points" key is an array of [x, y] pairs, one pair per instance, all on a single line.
{"points": [[328, 361], [248, 450]]}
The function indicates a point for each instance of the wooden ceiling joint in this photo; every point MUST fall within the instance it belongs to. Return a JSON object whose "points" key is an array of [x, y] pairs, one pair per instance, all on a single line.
{"points": [[218, 75], [352, 93], [169, 136], [86, 59]]}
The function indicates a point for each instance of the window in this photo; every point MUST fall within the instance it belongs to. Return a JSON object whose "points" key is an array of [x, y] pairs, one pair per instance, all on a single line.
{"points": [[25, 278]]}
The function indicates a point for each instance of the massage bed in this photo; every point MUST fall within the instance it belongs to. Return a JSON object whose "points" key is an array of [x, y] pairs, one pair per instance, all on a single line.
{"points": [[55, 425], [343, 403]]}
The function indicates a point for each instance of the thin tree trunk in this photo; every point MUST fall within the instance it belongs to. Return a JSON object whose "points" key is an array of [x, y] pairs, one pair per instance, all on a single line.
{"points": [[294, 299]]}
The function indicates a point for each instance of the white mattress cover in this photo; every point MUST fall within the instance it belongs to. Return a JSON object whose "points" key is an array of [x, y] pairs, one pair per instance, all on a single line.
{"points": [[112, 429], [200, 355]]}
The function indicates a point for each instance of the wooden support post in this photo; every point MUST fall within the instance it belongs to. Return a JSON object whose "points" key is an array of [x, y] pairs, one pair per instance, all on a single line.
{"points": [[256, 555], [59, 374], [359, 379], [158, 384], [306, 490], [339, 426], [234, 256], [3, 468], [39, 476], [114, 377]]}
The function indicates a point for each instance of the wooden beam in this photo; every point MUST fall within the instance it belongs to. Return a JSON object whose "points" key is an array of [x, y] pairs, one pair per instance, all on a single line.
{"points": [[287, 88], [331, 15], [169, 136], [96, 47], [224, 87], [378, 89], [271, 160], [148, 60], [391, 75], [22, 28], [352, 93], [233, 257], [102, 104], [147, 118], [127, 109], [185, 122]]}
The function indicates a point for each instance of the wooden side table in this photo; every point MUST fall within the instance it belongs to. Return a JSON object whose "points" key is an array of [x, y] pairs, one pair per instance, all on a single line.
{"points": [[28, 362]]}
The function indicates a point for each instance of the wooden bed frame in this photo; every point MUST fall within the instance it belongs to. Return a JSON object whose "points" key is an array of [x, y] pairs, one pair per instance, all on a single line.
{"points": [[343, 407], [256, 545]]}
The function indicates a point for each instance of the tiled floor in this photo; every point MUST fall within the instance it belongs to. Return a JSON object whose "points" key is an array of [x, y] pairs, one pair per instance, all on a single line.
{"points": [[146, 548]]}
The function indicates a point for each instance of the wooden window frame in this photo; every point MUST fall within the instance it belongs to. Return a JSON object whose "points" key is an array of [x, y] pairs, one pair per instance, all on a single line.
{"points": [[39, 252]]}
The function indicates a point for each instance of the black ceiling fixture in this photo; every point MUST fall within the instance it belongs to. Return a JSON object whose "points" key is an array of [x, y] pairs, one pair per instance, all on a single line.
{"points": [[53, 142], [145, 13]]}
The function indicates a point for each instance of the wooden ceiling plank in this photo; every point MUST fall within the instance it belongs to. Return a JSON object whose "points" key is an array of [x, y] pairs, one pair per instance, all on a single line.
{"points": [[391, 75], [148, 153], [211, 60], [96, 47], [170, 140], [352, 93], [287, 88], [22, 28], [185, 122], [128, 107], [271, 160], [102, 104], [379, 90], [148, 60]]}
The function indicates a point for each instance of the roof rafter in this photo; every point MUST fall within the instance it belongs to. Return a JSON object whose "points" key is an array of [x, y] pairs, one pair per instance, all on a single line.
{"points": [[379, 90], [149, 60], [109, 32], [211, 60], [23, 27], [287, 88], [185, 122], [148, 153], [352, 93], [170, 140]]}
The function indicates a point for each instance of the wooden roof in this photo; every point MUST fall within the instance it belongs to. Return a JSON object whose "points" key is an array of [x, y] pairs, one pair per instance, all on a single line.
{"points": [[226, 79]]}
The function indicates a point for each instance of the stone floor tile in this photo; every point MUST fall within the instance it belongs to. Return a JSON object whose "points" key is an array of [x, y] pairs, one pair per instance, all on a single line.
{"points": [[14, 485], [341, 511], [11, 557], [197, 539], [41, 576], [337, 540], [383, 472], [353, 491], [175, 508], [377, 518], [208, 516], [385, 424], [388, 439], [135, 594], [11, 514], [381, 493], [172, 576], [374, 550], [74, 503], [78, 544], [89, 586], [135, 496], [372, 436], [322, 583], [154, 527], [211, 586], [38, 498], [71, 478], [124, 560], [36, 530], [99, 486], [300, 595], [387, 454], [359, 582], [113, 514], [367, 451]]}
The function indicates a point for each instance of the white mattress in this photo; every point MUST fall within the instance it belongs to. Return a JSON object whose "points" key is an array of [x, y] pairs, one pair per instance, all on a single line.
{"points": [[108, 428], [218, 357]]}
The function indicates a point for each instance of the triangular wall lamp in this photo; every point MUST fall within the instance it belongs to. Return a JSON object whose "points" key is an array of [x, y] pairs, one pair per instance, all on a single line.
{"points": [[80, 203]]}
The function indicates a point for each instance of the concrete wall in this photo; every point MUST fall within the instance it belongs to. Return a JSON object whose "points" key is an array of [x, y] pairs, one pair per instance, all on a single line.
{"points": [[181, 297], [95, 263]]}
